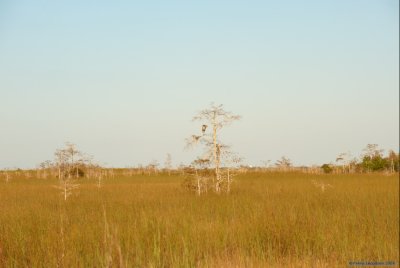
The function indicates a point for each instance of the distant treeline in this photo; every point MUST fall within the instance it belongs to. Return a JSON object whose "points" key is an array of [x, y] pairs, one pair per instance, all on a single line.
{"points": [[372, 160], [70, 162]]}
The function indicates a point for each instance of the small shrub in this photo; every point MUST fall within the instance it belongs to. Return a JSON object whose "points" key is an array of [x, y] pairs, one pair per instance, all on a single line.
{"points": [[327, 168]]}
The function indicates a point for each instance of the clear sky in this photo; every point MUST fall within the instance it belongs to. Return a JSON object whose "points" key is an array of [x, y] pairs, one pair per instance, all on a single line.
{"points": [[122, 79]]}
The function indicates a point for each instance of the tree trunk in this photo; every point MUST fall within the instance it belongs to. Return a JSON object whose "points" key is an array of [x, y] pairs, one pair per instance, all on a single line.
{"points": [[65, 190], [216, 156], [215, 147]]}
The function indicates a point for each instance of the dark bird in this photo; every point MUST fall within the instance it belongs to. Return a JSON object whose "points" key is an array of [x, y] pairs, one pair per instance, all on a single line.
{"points": [[203, 129]]}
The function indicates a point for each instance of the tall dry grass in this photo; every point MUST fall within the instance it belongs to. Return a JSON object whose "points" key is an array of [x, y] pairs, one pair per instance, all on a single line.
{"points": [[269, 219]]}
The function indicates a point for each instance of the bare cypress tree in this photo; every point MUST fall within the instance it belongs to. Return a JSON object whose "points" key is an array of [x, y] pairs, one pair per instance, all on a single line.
{"points": [[72, 153], [152, 167], [213, 118], [67, 185], [284, 163], [7, 175], [231, 159], [344, 159], [201, 180], [61, 162], [168, 164], [392, 157], [65, 165]]}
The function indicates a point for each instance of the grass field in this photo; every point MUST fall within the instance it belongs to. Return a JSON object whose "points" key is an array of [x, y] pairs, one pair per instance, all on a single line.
{"points": [[268, 220]]}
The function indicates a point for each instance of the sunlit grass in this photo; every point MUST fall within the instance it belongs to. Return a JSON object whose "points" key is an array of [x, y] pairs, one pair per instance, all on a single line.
{"points": [[269, 219]]}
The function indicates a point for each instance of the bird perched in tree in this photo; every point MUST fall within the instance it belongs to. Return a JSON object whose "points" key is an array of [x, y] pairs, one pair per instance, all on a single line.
{"points": [[203, 129], [196, 138]]}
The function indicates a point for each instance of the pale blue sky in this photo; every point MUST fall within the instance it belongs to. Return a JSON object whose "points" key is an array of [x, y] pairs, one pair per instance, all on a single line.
{"points": [[122, 79]]}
